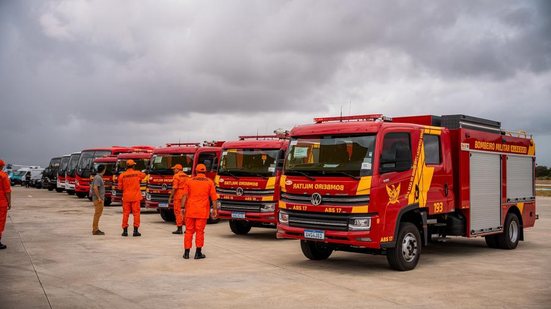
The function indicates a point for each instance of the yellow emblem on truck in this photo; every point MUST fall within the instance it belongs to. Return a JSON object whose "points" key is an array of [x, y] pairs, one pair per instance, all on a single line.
{"points": [[393, 194]]}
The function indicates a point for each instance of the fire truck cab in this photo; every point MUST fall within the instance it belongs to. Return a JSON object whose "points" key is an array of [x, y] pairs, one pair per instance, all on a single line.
{"points": [[373, 184], [71, 172], [109, 163], [248, 181], [84, 168], [161, 174], [142, 158], [60, 181]]}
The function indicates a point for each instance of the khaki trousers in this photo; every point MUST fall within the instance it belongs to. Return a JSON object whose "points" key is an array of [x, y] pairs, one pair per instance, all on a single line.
{"points": [[98, 205]]}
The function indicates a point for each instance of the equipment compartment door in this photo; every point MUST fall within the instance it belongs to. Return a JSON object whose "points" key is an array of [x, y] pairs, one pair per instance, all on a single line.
{"points": [[485, 181]]}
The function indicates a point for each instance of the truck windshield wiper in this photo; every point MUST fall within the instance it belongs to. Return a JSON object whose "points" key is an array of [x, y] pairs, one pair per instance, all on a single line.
{"points": [[230, 173], [303, 174], [260, 175], [346, 174]]}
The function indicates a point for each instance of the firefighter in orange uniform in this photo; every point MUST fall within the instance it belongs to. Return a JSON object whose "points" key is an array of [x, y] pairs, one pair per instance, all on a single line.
{"points": [[129, 183], [178, 183], [5, 200], [199, 193]]}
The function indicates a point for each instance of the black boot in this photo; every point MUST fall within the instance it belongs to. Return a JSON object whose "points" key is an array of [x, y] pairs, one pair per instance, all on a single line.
{"points": [[136, 233], [186, 254], [199, 255], [2, 246], [124, 232], [178, 230]]}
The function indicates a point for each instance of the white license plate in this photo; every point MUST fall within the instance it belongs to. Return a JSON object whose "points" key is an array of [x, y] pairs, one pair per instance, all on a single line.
{"points": [[163, 204], [314, 234], [238, 215]]}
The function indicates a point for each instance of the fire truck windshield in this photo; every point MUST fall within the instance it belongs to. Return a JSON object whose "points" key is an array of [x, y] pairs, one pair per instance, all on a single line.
{"points": [[141, 164], [331, 156], [109, 167], [63, 166], [162, 163], [71, 167], [87, 159], [249, 162]]}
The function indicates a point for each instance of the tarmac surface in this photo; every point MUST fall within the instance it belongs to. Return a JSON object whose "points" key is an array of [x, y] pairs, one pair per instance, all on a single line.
{"points": [[53, 261]]}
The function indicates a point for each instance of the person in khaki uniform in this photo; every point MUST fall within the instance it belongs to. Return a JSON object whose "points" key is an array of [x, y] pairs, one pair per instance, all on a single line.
{"points": [[98, 197]]}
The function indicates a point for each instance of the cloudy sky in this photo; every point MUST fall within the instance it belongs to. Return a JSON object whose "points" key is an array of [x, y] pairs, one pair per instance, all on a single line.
{"points": [[75, 74]]}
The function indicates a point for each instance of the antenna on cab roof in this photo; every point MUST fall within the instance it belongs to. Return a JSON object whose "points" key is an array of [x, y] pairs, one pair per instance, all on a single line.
{"points": [[369, 117]]}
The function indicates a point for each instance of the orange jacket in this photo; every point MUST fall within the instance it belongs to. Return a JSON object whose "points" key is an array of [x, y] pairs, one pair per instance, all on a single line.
{"points": [[178, 184], [200, 193], [5, 187], [129, 183]]}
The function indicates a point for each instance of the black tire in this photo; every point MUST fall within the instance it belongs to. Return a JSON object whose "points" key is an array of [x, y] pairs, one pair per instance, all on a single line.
{"points": [[81, 194], [211, 220], [59, 190], [316, 251], [167, 215], [491, 241], [107, 202], [405, 255], [50, 189], [240, 227], [70, 192], [510, 237]]}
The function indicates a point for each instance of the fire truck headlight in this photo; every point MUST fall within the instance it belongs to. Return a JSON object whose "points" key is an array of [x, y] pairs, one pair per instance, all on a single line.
{"points": [[148, 196], [267, 207], [359, 224], [114, 192], [283, 217], [143, 193]]}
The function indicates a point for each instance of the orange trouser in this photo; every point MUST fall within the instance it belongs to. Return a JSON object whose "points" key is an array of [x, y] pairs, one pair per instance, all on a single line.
{"points": [[3, 216], [197, 226], [126, 208], [178, 211]]}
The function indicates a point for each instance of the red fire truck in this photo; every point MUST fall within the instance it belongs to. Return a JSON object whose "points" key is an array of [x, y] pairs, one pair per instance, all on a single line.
{"points": [[109, 163], [71, 172], [84, 168], [60, 183], [246, 182], [142, 160], [377, 185], [188, 155]]}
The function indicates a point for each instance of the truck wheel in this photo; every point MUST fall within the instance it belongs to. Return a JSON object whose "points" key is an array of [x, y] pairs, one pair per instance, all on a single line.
{"points": [[50, 189], [107, 202], [240, 227], [211, 220], [167, 215], [491, 241], [58, 190], [81, 194], [511, 233], [315, 250], [408, 248], [70, 192]]}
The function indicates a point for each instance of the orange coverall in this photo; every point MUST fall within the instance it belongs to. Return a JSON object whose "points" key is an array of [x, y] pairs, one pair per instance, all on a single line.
{"points": [[200, 192], [5, 187], [129, 183], [178, 184]]}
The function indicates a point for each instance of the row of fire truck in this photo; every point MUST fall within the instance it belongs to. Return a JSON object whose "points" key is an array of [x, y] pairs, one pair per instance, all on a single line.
{"points": [[366, 183]]}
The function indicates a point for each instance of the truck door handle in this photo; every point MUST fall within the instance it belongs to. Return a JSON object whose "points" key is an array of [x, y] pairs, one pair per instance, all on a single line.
{"points": [[446, 189]]}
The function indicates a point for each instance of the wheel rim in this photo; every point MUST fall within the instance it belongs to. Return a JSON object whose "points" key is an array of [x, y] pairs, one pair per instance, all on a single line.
{"points": [[409, 247], [513, 231]]}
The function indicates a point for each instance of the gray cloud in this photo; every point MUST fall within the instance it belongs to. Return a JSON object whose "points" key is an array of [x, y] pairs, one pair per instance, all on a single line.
{"points": [[79, 73]]}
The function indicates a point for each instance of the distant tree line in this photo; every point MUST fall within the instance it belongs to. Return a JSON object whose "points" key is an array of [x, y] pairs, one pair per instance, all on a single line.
{"points": [[543, 171]]}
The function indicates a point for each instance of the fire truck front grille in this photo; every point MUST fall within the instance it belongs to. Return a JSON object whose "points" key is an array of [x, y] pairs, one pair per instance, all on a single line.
{"points": [[240, 206], [156, 197], [245, 192], [159, 187], [338, 200], [318, 221]]}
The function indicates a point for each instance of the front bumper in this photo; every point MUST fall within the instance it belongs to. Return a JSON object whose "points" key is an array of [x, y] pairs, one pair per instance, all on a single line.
{"points": [[260, 217], [361, 239]]}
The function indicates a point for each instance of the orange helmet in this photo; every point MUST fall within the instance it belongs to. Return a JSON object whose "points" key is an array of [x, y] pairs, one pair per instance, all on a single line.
{"points": [[130, 162], [200, 168], [177, 167]]}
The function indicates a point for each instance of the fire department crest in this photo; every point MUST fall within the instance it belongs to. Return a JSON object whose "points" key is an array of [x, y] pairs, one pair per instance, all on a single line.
{"points": [[239, 191], [393, 194]]}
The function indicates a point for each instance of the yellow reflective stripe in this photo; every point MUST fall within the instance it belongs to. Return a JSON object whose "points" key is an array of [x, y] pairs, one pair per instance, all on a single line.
{"points": [[217, 180], [282, 183], [422, 177], [360, 209], [271, 183], [282, 205], [432, 130], [532, 148], [364, 186], [520, 207], [267, 198]]}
